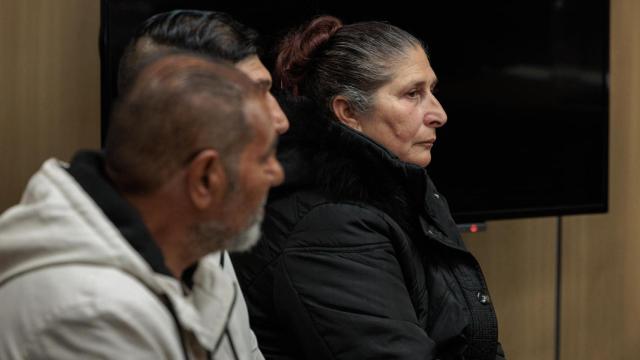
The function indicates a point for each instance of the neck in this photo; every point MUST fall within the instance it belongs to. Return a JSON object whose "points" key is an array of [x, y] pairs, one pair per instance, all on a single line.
{"points": [[168, 219]]}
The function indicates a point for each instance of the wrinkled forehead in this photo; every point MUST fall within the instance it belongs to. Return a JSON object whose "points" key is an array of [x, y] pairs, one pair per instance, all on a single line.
{"points": [[413, 66], [414, 56]]}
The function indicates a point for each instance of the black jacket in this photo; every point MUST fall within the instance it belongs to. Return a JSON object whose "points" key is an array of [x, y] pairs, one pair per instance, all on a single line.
{"points": [[360, 258]]}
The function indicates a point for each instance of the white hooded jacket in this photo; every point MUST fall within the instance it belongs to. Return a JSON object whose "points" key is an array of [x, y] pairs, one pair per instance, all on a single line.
{"points": [[73, 287]]}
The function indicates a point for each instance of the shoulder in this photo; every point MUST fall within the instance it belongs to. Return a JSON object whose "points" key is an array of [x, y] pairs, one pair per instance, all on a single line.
{"points": [[341, 224], [59, 289], [83, 306]]}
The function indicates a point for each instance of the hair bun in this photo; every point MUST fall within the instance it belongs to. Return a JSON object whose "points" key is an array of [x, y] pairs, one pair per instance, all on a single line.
{"points": [[298, 48]]}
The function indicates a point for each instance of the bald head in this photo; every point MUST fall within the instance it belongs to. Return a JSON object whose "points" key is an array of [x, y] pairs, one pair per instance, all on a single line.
{"points": [[176, 106]]}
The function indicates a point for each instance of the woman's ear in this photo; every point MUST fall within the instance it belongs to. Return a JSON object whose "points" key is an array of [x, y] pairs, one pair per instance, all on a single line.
{"points": [[206, 180], [345, 113]]}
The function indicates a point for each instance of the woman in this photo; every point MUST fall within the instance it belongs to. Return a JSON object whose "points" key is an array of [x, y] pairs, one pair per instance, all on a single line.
{"points": [[360, 257]]}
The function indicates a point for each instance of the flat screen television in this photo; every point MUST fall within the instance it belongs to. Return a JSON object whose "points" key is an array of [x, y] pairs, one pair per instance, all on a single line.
{"points": [[524, 83]]}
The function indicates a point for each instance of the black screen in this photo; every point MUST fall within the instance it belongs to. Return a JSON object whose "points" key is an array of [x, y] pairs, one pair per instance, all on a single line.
{"points": [[524, 83]]}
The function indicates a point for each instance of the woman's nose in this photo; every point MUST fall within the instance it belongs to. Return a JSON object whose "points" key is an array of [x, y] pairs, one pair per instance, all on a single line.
{"points": [[436, 116]]}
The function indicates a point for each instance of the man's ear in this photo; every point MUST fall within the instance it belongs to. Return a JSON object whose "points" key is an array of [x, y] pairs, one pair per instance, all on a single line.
{"points": [[345, 113], [206, 179]]}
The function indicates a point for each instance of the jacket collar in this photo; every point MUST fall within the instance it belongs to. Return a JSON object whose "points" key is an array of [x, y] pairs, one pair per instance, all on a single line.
{"points": [[321, 153], [87, 168], [206, 311]]}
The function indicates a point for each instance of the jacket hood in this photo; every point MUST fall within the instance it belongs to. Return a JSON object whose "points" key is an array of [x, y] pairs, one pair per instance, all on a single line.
{"points": [[57, 223]]}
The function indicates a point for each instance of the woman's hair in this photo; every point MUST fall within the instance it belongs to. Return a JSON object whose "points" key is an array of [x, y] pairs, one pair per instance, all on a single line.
{"points": [[324, 59]]}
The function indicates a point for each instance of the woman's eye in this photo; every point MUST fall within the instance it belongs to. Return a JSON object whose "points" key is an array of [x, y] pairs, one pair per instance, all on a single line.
{"points": [[413, 94]]}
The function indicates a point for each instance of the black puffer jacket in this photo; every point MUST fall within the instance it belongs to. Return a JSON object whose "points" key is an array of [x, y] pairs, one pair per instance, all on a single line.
{"points": [[360, 258]]}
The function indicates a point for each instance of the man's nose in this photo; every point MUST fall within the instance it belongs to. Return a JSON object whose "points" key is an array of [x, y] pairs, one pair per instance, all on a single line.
{"points": [[277, 173], [280, 121]]}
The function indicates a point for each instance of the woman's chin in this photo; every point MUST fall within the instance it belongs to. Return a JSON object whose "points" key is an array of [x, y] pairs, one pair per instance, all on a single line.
{"points": [[422, 160]]}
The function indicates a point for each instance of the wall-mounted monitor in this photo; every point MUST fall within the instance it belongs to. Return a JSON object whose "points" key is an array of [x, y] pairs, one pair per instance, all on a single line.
{"points": [[525, 85]]}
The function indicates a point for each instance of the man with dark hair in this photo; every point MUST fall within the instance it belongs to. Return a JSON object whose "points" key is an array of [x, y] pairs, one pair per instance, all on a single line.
{"points": [[91, 259], [217, 35], [212, 33]]}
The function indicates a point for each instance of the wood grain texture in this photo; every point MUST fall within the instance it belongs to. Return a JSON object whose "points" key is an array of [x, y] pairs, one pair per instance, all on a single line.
{"points": [[518, 260], [50, 89], [601, 293]]}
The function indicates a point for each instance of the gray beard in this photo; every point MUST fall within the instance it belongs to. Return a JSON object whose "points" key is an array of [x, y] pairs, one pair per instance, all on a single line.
{"points": [[248, 238], [213, 236]]}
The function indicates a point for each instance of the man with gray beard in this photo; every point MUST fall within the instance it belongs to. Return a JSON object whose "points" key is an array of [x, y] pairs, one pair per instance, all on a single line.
{"points": [[91, 259]]}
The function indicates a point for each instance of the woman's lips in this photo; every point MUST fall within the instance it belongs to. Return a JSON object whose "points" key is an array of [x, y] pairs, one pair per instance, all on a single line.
{"points": [[427, 144]]}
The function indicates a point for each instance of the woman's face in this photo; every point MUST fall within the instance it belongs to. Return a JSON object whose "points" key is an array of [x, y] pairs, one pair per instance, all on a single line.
{"points": [[405, 113]]}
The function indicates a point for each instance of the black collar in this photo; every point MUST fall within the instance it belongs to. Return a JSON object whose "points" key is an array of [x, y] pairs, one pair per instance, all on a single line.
{"points": [[88, 169], [324, 153]]}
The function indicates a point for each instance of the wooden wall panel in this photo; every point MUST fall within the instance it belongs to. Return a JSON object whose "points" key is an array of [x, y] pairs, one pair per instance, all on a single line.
{"points": [[50, 88], [518, 259], [601, 307]]}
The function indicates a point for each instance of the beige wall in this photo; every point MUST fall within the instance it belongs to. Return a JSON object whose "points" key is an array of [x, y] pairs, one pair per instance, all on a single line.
{"points": [[49, 88], [518, 259], [49, 105]]}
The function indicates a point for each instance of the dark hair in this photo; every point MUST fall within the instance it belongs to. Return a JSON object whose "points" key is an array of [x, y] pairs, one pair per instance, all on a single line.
{"points": [[215, 34], [175, 107], [324, 59]]}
